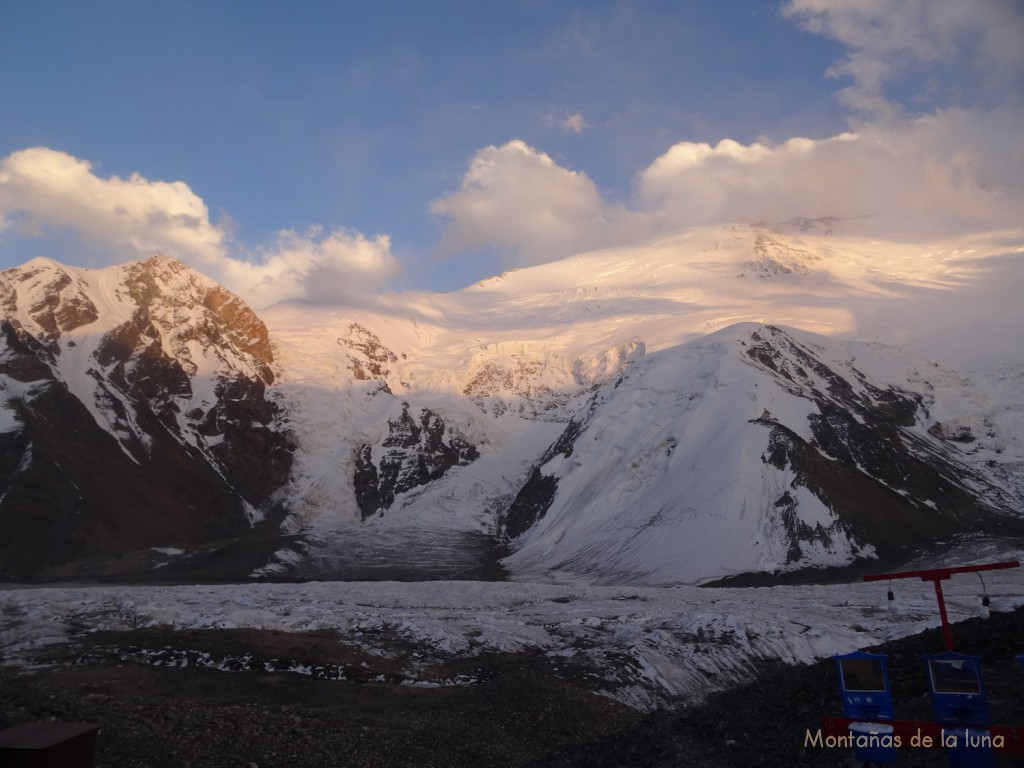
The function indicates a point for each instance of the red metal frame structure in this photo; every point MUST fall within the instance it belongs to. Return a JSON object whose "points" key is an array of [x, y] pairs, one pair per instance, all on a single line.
{"points": [[937, 576], [1007, 740]]}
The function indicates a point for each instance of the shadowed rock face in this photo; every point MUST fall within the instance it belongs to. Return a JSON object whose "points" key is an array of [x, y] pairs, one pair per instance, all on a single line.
{"points": [[530, 504], [535, 497], [890, 488], [416, 452], [73, 493], [162, 433]]}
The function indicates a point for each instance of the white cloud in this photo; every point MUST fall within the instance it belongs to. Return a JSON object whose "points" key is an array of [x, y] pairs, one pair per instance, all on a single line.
{"points": [[886, 37], [955, 170], [43, 188], [341, 265], [958, 170], [519, 200]]}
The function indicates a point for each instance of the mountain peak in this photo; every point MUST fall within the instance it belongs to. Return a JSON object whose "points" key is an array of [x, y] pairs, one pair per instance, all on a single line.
{"points": [[46, 297], [146, 378], [651, 415]]}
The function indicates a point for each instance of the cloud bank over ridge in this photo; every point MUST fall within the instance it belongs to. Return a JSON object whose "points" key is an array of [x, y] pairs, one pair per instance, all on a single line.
{"points": [[956, 170], [42, 188]]}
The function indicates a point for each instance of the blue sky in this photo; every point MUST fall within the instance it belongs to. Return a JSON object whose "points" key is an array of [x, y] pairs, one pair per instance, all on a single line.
{"points": [[319, 149]]}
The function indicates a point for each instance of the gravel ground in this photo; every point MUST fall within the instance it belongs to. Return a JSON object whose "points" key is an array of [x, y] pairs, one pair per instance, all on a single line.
{"points": [[514, 710], [765, 723]]}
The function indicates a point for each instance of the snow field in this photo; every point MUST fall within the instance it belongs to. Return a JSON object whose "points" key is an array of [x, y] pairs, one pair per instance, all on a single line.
{"points": [[650, 645]]}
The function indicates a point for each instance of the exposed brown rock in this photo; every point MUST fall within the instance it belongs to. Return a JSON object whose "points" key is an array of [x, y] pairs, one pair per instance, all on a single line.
{"points": [[77, 488]]}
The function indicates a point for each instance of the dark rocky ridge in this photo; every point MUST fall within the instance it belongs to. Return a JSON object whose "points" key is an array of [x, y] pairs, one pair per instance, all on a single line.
{"points": [[73, 493], [538, 492], [78, 500], [891, 489], [418, 451]]}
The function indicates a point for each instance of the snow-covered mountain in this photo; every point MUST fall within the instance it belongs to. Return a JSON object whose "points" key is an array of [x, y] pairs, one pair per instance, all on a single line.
{"points": [[753, 449], [729, 400], [136, 413]]}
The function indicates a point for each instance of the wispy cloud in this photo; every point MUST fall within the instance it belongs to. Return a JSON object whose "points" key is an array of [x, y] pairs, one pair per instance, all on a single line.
{"points": [[575, 123], [886, 38]]}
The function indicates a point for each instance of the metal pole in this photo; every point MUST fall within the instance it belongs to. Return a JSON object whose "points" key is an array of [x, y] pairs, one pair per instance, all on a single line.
{"points": [[947, 632]]}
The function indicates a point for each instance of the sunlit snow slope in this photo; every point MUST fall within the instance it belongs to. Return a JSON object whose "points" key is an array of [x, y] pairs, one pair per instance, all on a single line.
{"points": [[726, 400], [674, 476]]}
